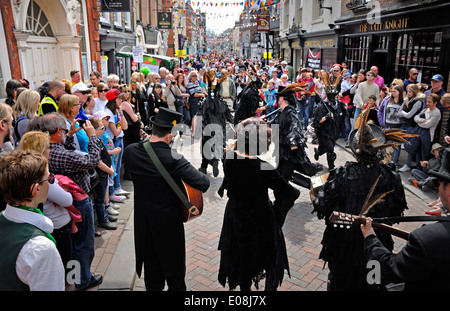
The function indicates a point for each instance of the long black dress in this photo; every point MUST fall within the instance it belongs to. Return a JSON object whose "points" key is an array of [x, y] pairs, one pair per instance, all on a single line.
{"points": [[252, 242]]}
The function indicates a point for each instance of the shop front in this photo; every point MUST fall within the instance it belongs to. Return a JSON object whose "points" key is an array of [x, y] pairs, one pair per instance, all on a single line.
{"points": [[320, 51], [113, 43], [418, 37]]}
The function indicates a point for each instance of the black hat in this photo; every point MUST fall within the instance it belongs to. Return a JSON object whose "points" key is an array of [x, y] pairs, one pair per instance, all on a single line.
{"points": [[166, 118], [290, 89], [359, 142], [444, 171], [367, 139]]}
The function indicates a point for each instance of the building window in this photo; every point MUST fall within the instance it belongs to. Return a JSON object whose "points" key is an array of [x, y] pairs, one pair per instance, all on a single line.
{"points": [[118, 19], [104, 18], [127, 20], [418, 50], [299, 13], [37, 22], [356, 52], [317, 9]]}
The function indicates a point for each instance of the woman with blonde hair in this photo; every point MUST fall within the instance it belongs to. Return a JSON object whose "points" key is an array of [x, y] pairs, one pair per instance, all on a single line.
{"points": [[57, 199], [412, 106], [25, 109], [69, 106]]}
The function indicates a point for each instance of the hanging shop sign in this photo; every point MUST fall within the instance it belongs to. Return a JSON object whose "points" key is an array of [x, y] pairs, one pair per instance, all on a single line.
{"points": [[165, 20], [263, 22], [115, 5]]}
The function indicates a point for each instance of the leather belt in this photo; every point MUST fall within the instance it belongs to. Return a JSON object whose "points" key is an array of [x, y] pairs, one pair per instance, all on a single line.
{"points": [[226, 97]]}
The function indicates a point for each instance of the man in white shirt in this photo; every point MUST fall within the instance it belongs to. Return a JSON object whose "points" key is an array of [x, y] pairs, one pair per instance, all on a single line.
{"points": [[29, 259]]}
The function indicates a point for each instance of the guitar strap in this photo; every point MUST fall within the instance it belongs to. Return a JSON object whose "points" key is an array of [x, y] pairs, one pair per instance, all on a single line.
{"points": [[167, 177]]}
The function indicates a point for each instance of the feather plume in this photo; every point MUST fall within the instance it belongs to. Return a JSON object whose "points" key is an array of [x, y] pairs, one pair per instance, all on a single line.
{"points": [[223, 77], [369, 195], [209, 76], [293, 88], [253, 69], [372, 201], [337, 79]]}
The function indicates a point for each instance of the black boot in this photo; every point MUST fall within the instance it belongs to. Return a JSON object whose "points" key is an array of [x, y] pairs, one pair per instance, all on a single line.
{"points": [[331, 157], [316, 154]]}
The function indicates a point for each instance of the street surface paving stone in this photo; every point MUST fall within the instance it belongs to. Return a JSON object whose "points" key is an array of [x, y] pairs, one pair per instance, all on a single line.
{"points": [[302, 231]]}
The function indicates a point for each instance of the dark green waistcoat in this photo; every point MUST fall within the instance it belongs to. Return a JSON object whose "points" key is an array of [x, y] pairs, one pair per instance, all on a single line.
{"points": [[13, 237]]}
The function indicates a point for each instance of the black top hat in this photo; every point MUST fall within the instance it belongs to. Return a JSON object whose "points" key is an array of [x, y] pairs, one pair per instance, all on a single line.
{"points": [[166, 118], [444, 171]]}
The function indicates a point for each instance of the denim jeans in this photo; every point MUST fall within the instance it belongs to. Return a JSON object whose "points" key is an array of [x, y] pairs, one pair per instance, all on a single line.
{"points": [[83, 241], [186, 114], [348, 123], [304, 110], [118, 163], [99, 193]]}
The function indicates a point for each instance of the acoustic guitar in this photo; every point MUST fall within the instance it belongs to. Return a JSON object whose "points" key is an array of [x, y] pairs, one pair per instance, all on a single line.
{"points": [[195, 197], [343, 219]]}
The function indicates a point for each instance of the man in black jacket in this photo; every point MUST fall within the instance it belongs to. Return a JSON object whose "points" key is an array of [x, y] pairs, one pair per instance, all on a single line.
{"points": [[159, 230], [421, 263], [292, 139], [329, 122]]}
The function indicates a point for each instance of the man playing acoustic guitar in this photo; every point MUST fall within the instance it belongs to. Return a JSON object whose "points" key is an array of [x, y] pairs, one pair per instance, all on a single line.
{"points": [[159, 231]]}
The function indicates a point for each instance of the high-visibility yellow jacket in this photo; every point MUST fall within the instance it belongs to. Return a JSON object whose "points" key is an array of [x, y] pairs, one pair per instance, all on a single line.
{"points": [[47, 101]]}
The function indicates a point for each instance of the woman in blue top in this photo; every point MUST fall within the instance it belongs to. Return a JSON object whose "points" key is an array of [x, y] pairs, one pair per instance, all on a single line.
{"points": [[69, 106]]}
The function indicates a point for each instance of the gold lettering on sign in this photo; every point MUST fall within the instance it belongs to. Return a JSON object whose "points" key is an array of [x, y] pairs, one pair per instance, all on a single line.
{"points": [[394, 24], [319, 43]]}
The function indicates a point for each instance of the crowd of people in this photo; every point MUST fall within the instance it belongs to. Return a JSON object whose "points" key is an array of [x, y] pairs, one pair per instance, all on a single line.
{"points": [[86, 137]]}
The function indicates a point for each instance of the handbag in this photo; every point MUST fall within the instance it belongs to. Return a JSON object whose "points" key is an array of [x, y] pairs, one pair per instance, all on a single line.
{"points": [[189, 210], [178, 100]]}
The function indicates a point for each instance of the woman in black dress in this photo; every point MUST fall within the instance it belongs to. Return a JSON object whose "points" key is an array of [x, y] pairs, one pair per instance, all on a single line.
{"points": [[156, 99], [251, 242]]}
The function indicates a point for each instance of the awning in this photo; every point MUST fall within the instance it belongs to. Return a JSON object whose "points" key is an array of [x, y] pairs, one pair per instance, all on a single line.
{"points": [[161, 57]]}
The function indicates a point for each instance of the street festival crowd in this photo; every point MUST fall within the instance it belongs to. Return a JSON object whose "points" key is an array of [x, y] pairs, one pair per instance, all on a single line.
{"points": [[66, 146]]}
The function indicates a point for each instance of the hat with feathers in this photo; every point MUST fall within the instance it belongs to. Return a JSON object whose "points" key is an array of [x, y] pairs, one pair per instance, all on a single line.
{"points": [[290, 89], [368, 139]]}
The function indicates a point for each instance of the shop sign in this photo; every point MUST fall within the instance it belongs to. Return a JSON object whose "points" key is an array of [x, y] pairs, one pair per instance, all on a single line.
{"points": [[314, 59], [263, 22], [115, 5], [320, 43], [391, 24], [165, 20]]}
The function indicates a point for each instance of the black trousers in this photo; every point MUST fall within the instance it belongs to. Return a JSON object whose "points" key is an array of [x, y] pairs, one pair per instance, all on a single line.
{"points": [[286, 169], [156, 275], [63, 239]]}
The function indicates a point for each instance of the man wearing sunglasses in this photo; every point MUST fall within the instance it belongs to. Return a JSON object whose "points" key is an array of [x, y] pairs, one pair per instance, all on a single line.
{"points": [[413, 74], [82, 91], [27, 249]]}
